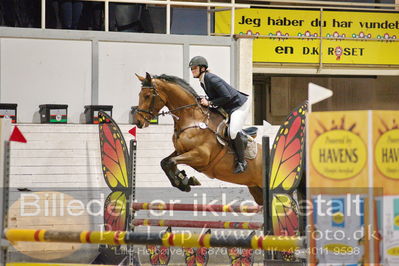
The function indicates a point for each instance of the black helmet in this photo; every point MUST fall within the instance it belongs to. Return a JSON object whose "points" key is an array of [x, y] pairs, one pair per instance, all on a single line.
{"points": [[198, 61]]}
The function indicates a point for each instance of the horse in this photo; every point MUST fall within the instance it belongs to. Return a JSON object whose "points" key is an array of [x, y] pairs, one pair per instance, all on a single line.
{"points": [[195, 135]]}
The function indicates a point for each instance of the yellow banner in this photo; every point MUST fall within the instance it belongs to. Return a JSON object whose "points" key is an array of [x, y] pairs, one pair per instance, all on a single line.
{"points": [[338, 176], [386, 176], [386, 151], [338, 149], [281, 22]]}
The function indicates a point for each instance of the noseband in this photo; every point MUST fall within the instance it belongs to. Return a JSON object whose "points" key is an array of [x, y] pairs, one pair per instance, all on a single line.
{"points": [[154, 93]]}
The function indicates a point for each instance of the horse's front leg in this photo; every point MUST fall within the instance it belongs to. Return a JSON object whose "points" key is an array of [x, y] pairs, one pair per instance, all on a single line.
{"points": [[176, 177], [179, 178], [196, 158]]}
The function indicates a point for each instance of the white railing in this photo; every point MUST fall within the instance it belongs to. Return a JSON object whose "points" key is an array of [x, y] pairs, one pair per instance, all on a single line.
{"points": [[233, 5]]}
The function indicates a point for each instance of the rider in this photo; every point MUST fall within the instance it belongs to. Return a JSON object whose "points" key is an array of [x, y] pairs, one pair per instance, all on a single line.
{"points": [[234, 102]]}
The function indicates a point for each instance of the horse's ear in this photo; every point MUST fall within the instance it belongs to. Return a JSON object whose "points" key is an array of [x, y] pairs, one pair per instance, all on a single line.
{"points": [[140, 77], [148, 76]]}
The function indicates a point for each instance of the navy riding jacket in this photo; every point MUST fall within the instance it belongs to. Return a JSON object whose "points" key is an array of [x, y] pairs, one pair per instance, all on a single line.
{"points": [[221, 94]]}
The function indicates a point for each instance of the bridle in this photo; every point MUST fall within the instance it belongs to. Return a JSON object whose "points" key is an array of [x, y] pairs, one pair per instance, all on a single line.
{"points": [[150, 111]]}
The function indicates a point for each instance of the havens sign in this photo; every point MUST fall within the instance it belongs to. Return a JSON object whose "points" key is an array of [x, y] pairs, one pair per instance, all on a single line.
{"points": [[338, 154], [387, 154]]}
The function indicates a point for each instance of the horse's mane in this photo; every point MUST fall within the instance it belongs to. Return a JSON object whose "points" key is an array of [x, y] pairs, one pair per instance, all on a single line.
{"points": [[179, 81]]}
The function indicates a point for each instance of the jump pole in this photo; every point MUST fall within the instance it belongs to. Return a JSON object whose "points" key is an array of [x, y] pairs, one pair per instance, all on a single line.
{"points": [[167, 239], [196, 207], [198, 224], [48, 264]]}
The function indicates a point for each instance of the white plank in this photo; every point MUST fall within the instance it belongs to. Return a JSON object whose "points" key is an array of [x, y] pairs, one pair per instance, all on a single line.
{"points": [[79, 144], [155, 144], [54, 161], [155, 137], [58, 145], [67, 128], [79, 128], [55, 136], [53, 178], [56, 170], [56, 185], [69, 153], [48, 128], [149, 161], [161, 153], [155, 129]]}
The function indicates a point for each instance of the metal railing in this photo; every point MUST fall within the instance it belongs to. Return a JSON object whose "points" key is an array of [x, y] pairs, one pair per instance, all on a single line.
{"points": [[233, 5], [167, 3]]}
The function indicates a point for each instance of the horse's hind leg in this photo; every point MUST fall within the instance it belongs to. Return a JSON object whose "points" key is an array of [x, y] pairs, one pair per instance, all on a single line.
{"points": [[176, 177], [257, 194]]}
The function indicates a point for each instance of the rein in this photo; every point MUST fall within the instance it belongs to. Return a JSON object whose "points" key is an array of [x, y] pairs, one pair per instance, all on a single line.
{"points": [[176, 109], [155, 93], [163, 113]]}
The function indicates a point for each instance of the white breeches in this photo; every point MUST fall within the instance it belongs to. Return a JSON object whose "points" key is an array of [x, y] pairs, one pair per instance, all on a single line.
{"points": [[238, 117]]}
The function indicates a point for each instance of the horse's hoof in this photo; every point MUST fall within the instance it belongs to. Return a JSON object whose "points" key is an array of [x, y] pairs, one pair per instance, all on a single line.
{"points": [[183, 187], [192, 181]]}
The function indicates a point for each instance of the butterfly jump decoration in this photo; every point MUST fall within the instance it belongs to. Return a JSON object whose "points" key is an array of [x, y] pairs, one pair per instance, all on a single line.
{"points": [[159, 255], [197, 256], [115, 166], [287, 166], [117, 174], [241, 257]]}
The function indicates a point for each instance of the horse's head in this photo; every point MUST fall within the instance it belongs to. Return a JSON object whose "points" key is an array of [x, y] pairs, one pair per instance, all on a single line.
{"points": [[150, 102]]}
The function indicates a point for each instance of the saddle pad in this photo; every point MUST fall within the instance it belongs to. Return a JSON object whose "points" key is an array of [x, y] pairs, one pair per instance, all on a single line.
{"points": [[251, 150]]}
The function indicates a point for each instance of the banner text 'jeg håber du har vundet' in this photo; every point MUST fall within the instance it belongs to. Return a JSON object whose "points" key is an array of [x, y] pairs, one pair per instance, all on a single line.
{"points": [[375, 33]]}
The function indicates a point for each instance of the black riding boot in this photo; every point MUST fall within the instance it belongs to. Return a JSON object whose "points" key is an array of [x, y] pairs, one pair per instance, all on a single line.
{"points": [[239, 145]]}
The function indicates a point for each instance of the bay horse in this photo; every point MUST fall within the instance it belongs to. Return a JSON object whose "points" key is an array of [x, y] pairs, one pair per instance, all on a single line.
{"points": [[194, 135]]}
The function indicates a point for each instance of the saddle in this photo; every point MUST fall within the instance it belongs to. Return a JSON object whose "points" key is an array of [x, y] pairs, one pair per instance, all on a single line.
{"points": [[250, 132]]}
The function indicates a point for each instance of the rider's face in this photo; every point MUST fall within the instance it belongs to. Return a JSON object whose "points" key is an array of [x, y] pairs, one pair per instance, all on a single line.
{"points": [[195, 70]]}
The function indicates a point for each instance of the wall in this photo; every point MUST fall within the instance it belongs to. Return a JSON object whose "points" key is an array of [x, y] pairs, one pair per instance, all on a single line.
{"points": [[35, 71], [82, 68], [118, 63]]}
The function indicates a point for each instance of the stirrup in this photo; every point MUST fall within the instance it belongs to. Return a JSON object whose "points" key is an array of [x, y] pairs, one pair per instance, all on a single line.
{"points": [[240, 167]]}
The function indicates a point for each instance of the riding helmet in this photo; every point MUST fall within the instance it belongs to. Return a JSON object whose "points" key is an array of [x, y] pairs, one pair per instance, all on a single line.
{"points": [[198, 61]]}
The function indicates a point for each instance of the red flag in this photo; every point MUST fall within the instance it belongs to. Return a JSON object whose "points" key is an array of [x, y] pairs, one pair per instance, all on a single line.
{"points": [[16, 135], [133, 131]]}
